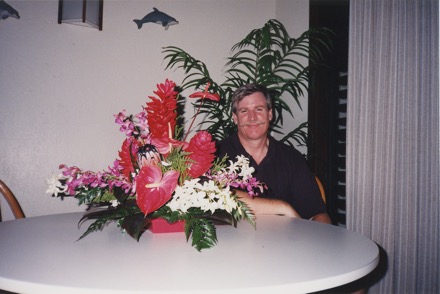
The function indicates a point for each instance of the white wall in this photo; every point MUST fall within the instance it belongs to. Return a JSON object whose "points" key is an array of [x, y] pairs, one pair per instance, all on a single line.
{"points": [[61, 84]]}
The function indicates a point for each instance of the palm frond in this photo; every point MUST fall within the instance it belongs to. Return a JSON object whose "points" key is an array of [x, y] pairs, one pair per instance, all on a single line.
{"points": [[267, 56]]}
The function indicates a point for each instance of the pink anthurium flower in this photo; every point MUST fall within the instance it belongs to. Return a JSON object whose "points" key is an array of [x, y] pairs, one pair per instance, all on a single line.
{"points": [[154, 189], [206, 94], [164, 145], [203, 95]]}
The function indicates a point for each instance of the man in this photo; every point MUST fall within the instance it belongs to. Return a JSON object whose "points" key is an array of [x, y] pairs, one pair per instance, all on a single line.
{"points": [[292, 189]]}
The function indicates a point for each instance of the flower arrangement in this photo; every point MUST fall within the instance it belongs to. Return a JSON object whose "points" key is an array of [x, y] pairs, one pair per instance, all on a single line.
{"points": [[159, 176]]}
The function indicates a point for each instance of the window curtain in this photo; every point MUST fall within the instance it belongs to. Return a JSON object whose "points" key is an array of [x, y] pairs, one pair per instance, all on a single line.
{"points": [[393, 176]]}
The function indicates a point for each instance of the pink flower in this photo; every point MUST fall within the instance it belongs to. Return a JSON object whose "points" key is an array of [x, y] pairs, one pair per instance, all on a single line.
{"points": [[128, 156], [165, 144], [154, 190], [162, 111], [203, 95], [202, 149], [148, 155], [206, 94]]}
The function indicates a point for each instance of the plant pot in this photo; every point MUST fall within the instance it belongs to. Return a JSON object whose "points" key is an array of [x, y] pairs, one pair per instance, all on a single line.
{"points": [[160, 225]]}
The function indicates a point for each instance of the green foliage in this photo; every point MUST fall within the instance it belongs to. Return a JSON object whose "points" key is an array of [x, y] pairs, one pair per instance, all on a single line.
{"points": [[202, 232], [97, 225], [200, 225], [248, 215], [298, 135], [91, 195], [128, 217], [267, 56], [134, 224], [178, 160], [98, 195]]}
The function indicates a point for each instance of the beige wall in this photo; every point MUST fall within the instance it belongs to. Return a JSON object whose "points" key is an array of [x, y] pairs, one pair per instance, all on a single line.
{"points": [[61, 84]]}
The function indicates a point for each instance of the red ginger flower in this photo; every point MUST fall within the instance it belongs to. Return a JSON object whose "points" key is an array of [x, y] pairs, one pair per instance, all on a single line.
{"points": [[128, 152], [162, 111], [202, 150]]}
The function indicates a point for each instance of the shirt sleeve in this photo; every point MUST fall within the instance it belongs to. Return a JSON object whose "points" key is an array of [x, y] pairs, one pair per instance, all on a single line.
{"points": [[285, 172], [289, 178]]}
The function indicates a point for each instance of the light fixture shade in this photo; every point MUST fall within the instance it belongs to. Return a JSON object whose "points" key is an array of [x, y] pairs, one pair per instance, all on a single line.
{"points": [[88, 12]]}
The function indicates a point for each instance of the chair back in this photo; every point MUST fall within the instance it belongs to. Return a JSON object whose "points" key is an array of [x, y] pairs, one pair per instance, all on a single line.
{"points": [[321, 189], [11, 200]]}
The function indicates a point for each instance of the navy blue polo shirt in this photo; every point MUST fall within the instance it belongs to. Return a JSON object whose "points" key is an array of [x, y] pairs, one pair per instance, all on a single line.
{"points": [[285, 172]]}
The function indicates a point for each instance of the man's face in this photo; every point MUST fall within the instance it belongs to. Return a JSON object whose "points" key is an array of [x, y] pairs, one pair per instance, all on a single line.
{"points": [[253, 117]]}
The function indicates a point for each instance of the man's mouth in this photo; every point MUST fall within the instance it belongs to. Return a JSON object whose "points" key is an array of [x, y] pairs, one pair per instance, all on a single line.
{"points": [[253, 123]]}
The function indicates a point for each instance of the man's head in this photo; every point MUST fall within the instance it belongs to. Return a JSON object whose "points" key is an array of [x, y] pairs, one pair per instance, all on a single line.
{"points": [[252, 112], [247, 90]]}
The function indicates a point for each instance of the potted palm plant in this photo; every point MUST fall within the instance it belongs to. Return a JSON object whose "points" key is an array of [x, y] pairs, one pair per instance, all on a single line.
{"points": [[267, 56]]}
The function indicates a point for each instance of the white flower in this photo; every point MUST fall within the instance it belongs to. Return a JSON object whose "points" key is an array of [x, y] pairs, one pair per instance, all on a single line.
{"points": [[242, 168], [164, 163], [246, 172], [207, 196], [54, 185], [114, 202]]}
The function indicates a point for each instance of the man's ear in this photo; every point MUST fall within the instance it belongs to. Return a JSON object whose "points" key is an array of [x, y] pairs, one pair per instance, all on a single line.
{"points": [[270, 115], [234, 118]]}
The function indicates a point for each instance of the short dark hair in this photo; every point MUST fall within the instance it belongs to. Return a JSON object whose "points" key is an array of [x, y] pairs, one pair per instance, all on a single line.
{"points": [[247, 90]]}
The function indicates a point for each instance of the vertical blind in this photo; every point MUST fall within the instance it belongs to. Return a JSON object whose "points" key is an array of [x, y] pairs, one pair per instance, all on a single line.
{"points": [[392, 186], [341, 141]]}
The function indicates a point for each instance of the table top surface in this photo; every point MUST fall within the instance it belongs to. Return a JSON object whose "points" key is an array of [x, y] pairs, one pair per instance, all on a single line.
{"points": [[42, 255]]}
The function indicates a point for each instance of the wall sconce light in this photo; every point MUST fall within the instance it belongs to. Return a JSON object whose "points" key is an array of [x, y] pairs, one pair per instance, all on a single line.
{"points": [[6, 11], [88, 12]]}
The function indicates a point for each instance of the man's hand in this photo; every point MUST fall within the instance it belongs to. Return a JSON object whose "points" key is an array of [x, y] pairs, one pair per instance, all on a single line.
{"points": [[275, 206], [267, 206], [322, 218]]}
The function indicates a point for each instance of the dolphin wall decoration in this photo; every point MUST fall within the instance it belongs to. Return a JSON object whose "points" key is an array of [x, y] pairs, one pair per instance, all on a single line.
{"points": [[157, 17], [6, 11]]}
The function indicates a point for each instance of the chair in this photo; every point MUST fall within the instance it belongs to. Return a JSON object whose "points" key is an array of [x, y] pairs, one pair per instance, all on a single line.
{"points": [[11, 200], [321, 189]]}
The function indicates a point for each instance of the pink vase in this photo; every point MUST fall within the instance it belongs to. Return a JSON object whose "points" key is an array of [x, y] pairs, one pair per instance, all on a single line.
{"points": [[160, 225]]}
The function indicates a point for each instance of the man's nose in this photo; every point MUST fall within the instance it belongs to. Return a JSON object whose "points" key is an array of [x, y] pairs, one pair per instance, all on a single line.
{"points": [[252, 115]]}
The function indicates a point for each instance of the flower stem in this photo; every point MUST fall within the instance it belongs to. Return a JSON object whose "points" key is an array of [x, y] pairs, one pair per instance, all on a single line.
{"points": [[194, 118]]}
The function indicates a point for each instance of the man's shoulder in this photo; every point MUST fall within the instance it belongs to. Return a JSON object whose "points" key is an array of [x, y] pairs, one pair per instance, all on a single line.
{"points": [[228, 141], [227, 145], [285, 154], [284, 148]]}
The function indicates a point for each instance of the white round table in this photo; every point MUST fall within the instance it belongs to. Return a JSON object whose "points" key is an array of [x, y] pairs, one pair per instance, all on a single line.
{"points": [[42, 255]]}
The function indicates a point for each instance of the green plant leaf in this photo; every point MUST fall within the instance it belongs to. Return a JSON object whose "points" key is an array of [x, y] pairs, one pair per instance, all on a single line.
{"points": [[104, 216], [135, 225], [268, 56], [202, 232], [97, 225]]}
